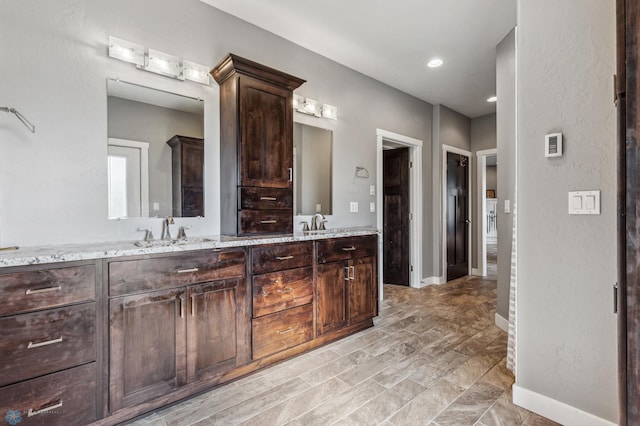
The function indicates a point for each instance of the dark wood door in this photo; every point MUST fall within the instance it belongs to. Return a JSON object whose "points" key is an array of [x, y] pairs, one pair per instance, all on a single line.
{"points": [[362, 294], [627, 86], [266, 137], [147, 345], [457, 209], [332, 281], [396, 216], [214, 325]]}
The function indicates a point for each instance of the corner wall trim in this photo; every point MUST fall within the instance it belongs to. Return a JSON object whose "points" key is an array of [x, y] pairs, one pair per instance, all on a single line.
{"points": [[433, 281], [555, 410], [502, 323], [476, 272]]}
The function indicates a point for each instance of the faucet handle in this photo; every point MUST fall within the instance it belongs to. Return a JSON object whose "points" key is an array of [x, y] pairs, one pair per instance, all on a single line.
{"points": [[322, 227], [305, 226], [182, 235], [148, 236]]}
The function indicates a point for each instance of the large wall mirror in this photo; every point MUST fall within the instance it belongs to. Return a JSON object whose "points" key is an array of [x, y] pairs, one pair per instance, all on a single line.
{"points": [[313, 169], [155, 152]]}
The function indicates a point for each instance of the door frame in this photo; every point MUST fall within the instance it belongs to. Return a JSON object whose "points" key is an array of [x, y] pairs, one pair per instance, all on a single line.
{"points": [[144, 169], [481, 180], [443, 214], [415, 204]]}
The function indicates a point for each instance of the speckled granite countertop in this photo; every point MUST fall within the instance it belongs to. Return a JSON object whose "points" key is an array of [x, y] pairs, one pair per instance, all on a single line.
{"points": [[73, 252]]}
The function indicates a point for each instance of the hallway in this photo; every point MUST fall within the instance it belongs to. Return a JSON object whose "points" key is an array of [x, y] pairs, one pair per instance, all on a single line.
{"points": [[434, 357]]}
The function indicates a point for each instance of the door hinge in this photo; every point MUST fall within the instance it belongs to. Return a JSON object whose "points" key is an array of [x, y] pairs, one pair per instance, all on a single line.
{"points": [[615, 90], [410, 216], [411, 164], [410, 268], [615, 298]]}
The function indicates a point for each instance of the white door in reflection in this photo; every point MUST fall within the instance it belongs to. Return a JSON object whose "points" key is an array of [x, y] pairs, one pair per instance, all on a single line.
{"points": [[128, 177]]}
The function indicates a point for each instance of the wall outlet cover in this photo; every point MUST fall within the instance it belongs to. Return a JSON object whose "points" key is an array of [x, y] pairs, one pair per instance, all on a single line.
{"points": [[353, 207], [372, 190]]}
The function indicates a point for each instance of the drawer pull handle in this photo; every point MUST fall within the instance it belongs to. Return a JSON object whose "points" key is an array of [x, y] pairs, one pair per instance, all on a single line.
{"points": [[32, 345], [286, 330], [186, 271], [193, 305], [284, 257], [33, 412], [346, 273], [269, 221], [352, 248], [181, 300], [43, 290], [268, 199], [285, 290], [353, 273]]}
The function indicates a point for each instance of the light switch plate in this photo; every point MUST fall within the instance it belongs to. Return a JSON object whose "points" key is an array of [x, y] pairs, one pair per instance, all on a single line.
{"points": [[507, 206], [372, 207], [353, 207], [372, 190], [584, 202]]}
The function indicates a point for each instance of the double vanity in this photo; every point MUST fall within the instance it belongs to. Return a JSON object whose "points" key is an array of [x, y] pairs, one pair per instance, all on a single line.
{"points": [[103, 333]]}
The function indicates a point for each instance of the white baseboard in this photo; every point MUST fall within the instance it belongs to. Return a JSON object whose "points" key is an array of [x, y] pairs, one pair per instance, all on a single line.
{"points": [[432, 281], [477, 272], [555, 410], [502, 323]]}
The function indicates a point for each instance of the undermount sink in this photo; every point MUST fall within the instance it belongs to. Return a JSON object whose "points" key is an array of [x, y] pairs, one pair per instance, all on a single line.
{"points": [[175, 242]]}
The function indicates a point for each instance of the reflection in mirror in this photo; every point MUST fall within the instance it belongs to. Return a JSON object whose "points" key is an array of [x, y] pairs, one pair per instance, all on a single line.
{"points": [[313, 169], [155, 152]]}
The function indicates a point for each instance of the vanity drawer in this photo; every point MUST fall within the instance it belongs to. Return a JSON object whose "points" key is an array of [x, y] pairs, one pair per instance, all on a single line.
{"points": [[265, 221], [277, 332], [43, 342], [336, 249], [45, 288], [64, 398], [277, 257], [281, 290], [264, 198], [133, 276]]}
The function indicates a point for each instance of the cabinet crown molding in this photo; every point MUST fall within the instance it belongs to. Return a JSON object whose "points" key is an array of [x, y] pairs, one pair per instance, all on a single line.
{"points": [[232, 64]]}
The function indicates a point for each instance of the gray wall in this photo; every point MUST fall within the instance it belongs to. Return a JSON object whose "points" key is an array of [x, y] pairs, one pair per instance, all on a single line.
{"points": [[567, 264], [483, 136], [156, 125], [54, 68], [492, 177], [453, 129], [506, 143]]}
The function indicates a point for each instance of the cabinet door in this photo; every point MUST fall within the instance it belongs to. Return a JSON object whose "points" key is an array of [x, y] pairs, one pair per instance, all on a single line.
{"points": [[362, 294], [147, 339], [332, 281], [266, 135], [216, 324]]}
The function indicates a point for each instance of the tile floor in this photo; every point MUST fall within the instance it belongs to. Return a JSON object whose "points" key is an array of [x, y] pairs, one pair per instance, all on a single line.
{"points": [[434, 357]]}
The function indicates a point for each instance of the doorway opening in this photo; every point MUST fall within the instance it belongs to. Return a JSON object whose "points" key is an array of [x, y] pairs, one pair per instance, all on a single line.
{"points": [[487, 208], [414, 146]]}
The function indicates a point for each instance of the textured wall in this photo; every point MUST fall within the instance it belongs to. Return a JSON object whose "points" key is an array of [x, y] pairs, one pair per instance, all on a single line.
{"points": [[54, 69], [506, 142], [567, 349]]}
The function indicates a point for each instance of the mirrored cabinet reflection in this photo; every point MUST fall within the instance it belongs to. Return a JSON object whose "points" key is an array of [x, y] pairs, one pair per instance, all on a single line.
{"points": [[187, 165]]}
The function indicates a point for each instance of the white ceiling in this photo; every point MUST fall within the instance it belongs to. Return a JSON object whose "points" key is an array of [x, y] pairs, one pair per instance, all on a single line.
{"points": [[392, 41]]}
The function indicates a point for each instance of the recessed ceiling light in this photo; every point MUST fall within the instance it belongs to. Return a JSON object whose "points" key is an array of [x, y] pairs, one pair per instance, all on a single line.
{"points": [[435, 63], [492, 99]]}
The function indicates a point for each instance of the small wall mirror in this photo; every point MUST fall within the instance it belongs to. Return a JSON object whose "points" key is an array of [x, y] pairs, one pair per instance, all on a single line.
{"points": [[313, 169], [155, 152]]}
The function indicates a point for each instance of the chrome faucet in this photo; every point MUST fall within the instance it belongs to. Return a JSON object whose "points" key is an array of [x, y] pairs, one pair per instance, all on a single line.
{"points": [[317, 222], [166, 232]]}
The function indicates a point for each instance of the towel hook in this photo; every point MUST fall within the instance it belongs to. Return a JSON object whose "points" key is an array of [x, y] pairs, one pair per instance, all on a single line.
{"points": [[362, 172], [21, 117]]}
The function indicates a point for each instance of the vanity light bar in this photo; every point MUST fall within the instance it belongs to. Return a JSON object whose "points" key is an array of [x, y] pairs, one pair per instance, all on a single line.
{"points": [[157, 62], [312, 107]]}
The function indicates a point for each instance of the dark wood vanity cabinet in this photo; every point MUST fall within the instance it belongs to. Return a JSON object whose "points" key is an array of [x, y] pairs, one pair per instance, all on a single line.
{"points": [[346, 282], [282, 297], [187, 176], [256, 147], [175, 320], [49, 348]]}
